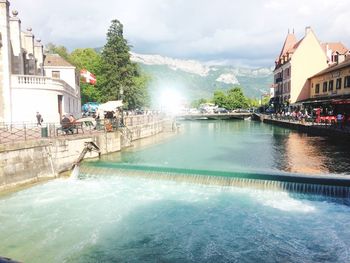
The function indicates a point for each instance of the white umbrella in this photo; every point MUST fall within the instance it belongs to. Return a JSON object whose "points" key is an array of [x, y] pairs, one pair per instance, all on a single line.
{"points": [[110, 105]]}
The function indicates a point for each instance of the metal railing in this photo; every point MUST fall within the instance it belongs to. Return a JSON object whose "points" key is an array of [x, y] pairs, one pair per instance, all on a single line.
{"points": [[10, 132], [15, 132]]}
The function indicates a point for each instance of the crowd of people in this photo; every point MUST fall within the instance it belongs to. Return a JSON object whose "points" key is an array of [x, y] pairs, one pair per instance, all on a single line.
{"points": [[341, 120], [296, 115]]}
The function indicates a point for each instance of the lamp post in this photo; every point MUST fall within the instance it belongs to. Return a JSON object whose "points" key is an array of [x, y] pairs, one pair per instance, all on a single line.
{"points": [[261, 102], [121, 94]]}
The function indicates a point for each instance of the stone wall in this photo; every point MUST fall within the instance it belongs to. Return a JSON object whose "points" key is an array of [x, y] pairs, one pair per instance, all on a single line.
{"points": [[32, 161], [24, 162]]}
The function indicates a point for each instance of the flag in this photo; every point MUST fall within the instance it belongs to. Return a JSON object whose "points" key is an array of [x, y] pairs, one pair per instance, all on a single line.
{"points": [[88, 77]]}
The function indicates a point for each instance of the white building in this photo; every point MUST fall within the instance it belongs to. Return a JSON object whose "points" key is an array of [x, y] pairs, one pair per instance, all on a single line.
{"points": [[30, 81]]}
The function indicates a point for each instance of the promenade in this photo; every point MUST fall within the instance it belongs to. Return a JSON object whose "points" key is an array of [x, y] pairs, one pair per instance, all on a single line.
{"points": [[307, 125], [16, 132]]}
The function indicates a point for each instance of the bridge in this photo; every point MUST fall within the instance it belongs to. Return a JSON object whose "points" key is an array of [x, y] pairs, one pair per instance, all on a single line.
{"points": [[214, 116]]}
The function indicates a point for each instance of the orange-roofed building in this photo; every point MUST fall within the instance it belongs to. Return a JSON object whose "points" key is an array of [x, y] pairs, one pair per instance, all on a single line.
{"points": [[336, 52], [297, 61]]}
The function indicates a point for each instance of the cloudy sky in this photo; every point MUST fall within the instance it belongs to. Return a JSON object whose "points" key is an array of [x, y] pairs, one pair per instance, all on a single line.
{"points": [[249, 32]]}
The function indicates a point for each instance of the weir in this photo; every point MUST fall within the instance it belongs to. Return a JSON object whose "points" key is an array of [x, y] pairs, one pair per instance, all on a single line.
{"points": [[337, 187]]}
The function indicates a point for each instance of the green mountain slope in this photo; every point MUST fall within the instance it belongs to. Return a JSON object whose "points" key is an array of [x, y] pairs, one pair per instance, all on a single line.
{"points": [[193, 86]]}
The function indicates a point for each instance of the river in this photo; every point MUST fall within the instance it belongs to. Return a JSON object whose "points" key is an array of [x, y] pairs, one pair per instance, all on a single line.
{"points": [[110, 218]]}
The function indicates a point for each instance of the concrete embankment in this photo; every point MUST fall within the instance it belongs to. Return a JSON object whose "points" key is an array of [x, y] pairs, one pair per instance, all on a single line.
{"points": [[32, 161]]}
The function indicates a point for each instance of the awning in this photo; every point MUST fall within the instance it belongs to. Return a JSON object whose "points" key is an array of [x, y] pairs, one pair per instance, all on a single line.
{"points": [[110, 105], [341, 102]]}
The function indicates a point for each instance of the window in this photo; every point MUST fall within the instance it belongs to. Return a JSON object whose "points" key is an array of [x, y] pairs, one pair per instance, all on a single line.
{"points": [[55, 74], [347, 82], [286, 73], [324, 86], [317, 89], [338, 84], [330, 85]]}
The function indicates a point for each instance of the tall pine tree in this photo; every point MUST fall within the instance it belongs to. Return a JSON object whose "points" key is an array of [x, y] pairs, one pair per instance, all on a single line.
{"points": [[119, 73]]}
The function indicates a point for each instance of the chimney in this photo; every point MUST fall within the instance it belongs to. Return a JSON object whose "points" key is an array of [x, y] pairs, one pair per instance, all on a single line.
{"points": [[307, 30]]}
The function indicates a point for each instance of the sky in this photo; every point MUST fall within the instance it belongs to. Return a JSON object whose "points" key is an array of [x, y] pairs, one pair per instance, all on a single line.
{"points": [[240, 33]]}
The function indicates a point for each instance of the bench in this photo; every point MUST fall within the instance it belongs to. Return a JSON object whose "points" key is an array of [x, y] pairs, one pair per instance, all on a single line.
{"points": [[71, 128]]}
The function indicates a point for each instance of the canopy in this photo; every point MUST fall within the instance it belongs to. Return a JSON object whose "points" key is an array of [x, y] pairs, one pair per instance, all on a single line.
{"points": [[110, 105]]}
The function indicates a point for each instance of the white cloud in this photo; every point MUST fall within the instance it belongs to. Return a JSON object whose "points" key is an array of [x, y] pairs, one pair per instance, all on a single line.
{"points": [[223, 30]]}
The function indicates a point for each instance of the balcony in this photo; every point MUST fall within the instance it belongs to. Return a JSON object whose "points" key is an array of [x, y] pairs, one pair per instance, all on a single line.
{"points": [[39, 82]]}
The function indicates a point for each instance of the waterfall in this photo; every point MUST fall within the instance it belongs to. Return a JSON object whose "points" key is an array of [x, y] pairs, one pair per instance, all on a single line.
{"points": [[337, 187], [76, 171]]}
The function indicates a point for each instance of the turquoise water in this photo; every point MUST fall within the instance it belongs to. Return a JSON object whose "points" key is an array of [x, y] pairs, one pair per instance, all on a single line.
{"points": [[104, 218], [242, 146]]}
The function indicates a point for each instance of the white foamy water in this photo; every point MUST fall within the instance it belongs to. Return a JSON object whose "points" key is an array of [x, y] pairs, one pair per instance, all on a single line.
{"points": [[111, 219]]}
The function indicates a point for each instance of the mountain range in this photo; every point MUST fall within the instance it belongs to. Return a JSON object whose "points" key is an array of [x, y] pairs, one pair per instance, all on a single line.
{"points": [[195, 80]]}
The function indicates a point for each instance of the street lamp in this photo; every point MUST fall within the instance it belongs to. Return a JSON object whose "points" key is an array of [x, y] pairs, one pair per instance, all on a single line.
{"points": [[121, 94]]}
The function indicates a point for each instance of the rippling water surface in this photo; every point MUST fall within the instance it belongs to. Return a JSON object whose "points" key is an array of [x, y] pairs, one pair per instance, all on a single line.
{"points": [[243, 146], [121, 219]]}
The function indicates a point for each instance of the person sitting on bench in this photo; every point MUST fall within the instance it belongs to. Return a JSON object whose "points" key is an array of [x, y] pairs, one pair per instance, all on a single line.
{"points": [[67, 126]]}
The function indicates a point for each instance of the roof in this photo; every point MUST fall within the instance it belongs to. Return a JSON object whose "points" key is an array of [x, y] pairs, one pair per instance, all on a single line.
{"points": [[55, 60], [338, 47], [288, 44], [341, 65]]}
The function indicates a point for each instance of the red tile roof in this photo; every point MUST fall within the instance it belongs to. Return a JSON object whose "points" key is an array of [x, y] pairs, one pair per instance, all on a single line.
{"points": [[335, 67], [55, 60], [336, 47]]}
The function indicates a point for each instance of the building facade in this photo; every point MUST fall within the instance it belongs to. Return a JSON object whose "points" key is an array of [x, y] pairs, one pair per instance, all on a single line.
{"points": [[31, 81], [298, 60], [331, 88]]}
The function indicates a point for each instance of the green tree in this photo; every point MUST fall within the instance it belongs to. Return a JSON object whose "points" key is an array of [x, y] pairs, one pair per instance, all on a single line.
{"points": [[119, 73], [197, 103], [220, 98], [60, 50], [88, 58], [236, 99]]}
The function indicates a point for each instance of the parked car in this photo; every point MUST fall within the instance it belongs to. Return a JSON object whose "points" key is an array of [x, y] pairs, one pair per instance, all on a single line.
{"points": [[240, 111], [220, 110], [270, 110]]}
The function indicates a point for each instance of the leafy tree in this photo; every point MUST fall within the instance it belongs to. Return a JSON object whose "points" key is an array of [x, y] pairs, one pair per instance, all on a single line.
{"points": [[197, 103], [60, 50], [232, 99], [113, 69], [236, 99], [220, 98], [88, 58], [119, 73]]}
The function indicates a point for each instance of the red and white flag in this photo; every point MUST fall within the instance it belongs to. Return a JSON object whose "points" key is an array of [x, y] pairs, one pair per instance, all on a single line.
{"points": [[88, 77]]}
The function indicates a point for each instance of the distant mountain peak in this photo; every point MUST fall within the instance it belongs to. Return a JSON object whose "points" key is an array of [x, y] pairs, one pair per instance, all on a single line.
{"points": [[198, 80], [190, 66], [228, 78]]}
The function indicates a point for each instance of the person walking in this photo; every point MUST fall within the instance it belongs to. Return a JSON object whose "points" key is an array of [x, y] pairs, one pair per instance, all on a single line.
{"points": [[339, 120], [39, 119]]}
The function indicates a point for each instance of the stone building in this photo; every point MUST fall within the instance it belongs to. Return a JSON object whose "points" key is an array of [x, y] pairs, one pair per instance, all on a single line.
{"points": [[31, 81], [297, 61]]}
